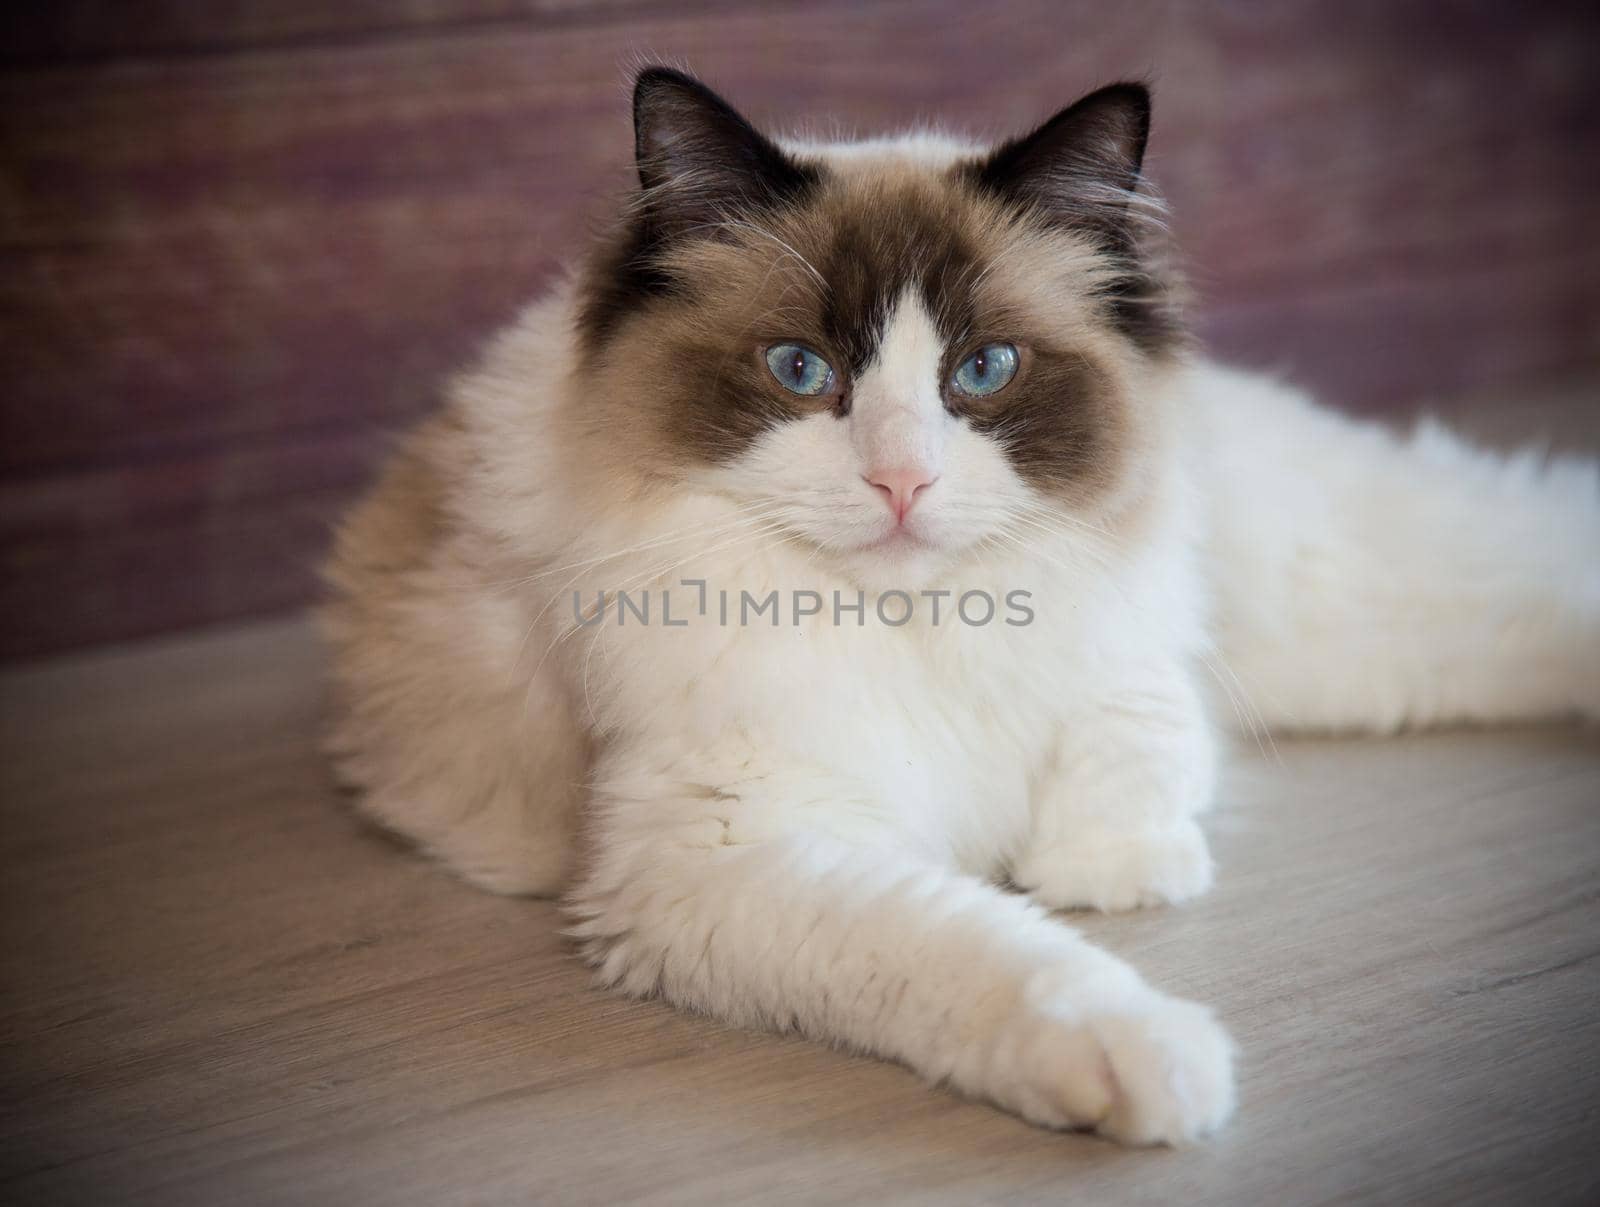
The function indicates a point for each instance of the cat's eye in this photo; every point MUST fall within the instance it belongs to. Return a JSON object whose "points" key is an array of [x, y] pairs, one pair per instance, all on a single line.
{"points": [[986, 371], [800, 370]]}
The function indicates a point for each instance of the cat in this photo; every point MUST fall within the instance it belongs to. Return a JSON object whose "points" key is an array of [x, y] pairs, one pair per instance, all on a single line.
{"points": [[834, 577]]}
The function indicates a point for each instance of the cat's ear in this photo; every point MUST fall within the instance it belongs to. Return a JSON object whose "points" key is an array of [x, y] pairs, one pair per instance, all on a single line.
{"points": [[1081, 168], [700, 161]]}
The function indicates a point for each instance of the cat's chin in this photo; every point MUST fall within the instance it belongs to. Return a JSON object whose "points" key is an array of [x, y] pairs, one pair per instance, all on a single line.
{"points": [[899, 562]]}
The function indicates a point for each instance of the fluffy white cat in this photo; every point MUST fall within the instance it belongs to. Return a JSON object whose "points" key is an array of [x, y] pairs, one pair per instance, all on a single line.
{"points": [[857, 533]]}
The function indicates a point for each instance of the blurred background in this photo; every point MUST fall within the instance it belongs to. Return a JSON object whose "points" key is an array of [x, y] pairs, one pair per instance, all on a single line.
{"points": [[241, 242]]}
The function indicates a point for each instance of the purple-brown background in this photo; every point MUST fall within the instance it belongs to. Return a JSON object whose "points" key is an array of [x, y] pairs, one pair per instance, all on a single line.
{"points": [[241, 242]]}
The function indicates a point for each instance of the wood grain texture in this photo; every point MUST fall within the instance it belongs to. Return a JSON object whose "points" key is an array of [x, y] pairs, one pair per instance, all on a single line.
{"points": [[220, 988], [55, 31], [242, 242]]}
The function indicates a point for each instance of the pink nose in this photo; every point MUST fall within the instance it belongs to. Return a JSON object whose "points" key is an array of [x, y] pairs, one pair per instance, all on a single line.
{"points": [[900, 487]]}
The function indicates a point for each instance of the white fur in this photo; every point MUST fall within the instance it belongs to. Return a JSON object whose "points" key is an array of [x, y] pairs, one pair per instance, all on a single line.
{"points": [[1370, 582], [804, 825]]}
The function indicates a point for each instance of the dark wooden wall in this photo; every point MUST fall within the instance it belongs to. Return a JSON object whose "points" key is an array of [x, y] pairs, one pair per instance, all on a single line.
{"points": [[240, 241]]}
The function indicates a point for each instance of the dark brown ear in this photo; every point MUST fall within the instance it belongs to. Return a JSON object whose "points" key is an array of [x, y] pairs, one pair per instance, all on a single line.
{"points": [[700, 161], [1081, 167], [1081, 171]]}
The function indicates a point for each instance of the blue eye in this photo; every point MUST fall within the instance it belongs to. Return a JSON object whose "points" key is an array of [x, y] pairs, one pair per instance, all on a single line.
{"points": [[986, 371], [799, 370]]}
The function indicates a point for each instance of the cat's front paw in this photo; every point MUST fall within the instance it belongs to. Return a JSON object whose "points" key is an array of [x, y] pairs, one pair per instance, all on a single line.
{"points": [[1113, 869], [1157, 1071]]}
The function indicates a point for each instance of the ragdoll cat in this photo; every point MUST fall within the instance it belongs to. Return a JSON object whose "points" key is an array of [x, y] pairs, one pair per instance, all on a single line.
{"points": [[942, 528]]}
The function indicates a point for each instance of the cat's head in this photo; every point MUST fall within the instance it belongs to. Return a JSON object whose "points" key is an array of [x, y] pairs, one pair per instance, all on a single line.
{"points": [[898, 350]]}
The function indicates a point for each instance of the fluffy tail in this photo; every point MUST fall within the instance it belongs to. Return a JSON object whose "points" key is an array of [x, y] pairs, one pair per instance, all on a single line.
{"points": [[1367, 581]]}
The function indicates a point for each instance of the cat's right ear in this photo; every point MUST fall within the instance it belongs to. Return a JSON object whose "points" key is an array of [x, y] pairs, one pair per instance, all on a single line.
{"points": [[699, 161]]}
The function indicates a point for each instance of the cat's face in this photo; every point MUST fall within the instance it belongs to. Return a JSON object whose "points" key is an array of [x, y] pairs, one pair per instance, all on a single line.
{"points": [[900, 353]]}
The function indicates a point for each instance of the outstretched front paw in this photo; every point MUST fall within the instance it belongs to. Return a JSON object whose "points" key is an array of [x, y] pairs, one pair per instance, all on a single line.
{"points": [[1112, 869], [1155, 1071]]}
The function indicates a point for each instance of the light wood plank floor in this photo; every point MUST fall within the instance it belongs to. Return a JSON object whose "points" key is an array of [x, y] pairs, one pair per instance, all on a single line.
{"points": [[220, 988]]}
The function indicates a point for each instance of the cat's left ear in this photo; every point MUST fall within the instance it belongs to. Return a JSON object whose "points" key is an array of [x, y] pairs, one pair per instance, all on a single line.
{"points": [[1080, 168], [699, 160]]}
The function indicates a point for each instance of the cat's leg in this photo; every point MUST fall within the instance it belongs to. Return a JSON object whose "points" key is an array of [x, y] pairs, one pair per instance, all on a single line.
{"points": [[777, 897], [483, 775], [1114, 812]]}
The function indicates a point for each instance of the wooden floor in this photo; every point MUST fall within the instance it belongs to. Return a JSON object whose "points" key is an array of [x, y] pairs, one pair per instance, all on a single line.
{"points": [[220, 988]]}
